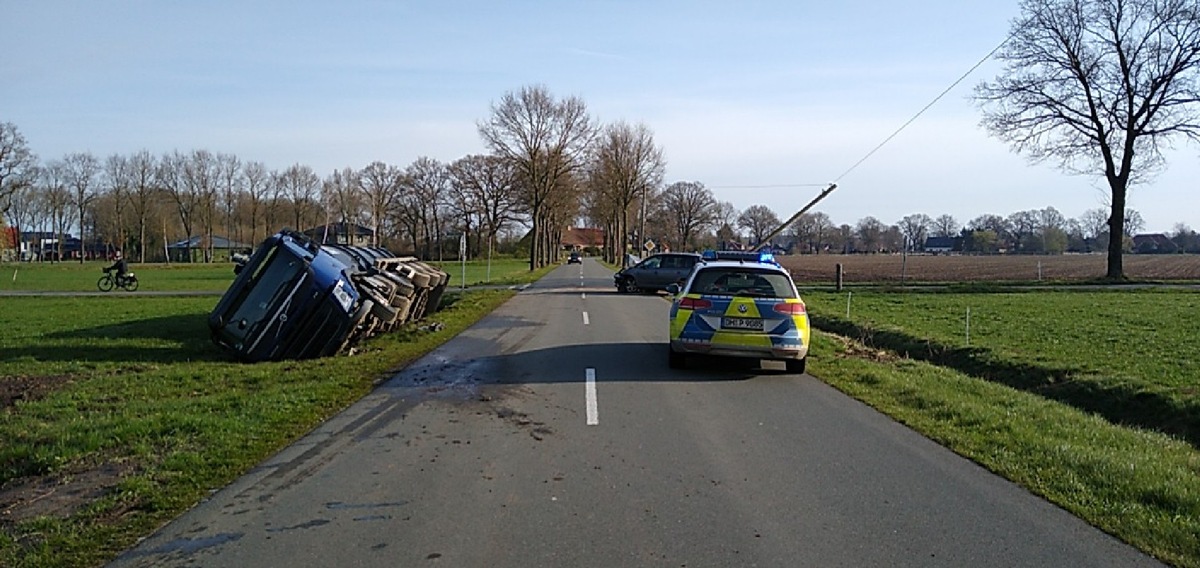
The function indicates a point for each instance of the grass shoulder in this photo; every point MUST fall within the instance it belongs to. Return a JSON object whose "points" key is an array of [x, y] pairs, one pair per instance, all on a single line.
{"points": [[1084, 398]]}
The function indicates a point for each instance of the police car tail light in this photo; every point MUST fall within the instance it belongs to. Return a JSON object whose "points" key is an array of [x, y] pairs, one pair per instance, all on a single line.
{"points": [[789, 308], [695, 304]]}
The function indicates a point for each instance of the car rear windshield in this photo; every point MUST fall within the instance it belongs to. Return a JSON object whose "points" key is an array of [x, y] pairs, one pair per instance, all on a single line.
{"points": [[747, 281]]}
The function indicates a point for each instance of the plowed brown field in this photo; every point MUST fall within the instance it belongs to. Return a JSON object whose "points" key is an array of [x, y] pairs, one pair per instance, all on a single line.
{"points": [[1008, 268]]}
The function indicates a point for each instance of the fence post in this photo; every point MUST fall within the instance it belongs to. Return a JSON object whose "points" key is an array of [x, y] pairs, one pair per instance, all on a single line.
{"points": [[839, 277]]}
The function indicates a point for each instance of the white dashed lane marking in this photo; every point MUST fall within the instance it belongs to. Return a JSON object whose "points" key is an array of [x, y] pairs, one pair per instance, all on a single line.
{"points": [[593, 411]]}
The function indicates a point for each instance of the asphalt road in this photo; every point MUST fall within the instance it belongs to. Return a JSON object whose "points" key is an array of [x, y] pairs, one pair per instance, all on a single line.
{"points": [[553, 434]]}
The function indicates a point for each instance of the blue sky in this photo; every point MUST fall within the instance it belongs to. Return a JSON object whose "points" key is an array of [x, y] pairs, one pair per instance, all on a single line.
{"points": [[742, 96]]}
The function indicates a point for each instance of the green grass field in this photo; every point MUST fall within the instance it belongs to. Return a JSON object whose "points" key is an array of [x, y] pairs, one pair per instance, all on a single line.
{"points": [[215, 277], [1121, 354], [1086, 398]]}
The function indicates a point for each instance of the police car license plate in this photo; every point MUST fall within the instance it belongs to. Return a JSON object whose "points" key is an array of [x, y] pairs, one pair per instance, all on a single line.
{"points": [[752, 324]]}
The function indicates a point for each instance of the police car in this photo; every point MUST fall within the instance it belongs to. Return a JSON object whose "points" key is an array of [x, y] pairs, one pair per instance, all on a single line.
{"points": [[738, 304]]}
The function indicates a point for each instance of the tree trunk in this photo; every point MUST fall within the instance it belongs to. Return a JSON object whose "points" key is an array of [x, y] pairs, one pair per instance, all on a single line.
{"points": [[1116, 232], [533, 239]]}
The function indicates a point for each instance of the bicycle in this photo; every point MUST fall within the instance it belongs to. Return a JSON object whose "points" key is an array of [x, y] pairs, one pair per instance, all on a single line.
{"points": [[128, 282]]}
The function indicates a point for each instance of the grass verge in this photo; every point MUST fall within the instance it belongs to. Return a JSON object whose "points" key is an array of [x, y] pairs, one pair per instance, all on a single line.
{"points": [[1034, 404]]}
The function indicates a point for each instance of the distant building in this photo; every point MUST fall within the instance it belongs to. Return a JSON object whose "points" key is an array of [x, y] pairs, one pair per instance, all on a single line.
{"points": [[943, 245], [1154, 243], [180, 250], [579, 238]]}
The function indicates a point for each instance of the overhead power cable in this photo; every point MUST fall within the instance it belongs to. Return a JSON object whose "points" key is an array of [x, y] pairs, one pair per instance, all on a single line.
{"points": [[773, 186], [885, 140], [922, 111]]}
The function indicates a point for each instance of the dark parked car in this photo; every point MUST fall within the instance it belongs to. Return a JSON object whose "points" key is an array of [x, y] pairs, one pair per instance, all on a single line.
{"points": [[656, 272]]}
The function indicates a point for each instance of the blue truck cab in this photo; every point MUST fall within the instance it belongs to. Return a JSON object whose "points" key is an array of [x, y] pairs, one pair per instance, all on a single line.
{"points": [[290, 300]]}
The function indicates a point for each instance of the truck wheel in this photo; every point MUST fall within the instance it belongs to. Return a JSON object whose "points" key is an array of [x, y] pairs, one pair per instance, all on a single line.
{"points": [[380, 309], [358, 319]]}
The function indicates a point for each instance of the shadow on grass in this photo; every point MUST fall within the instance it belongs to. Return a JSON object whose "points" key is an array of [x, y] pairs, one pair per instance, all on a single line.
{"points": [[166, 339], [1120, 402]]}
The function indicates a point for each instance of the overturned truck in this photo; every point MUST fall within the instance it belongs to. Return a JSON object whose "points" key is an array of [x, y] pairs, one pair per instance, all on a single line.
{"points": [[295, 298]]}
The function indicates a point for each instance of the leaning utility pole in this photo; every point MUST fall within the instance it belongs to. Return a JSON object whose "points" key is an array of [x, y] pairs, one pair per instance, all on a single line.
{"points": [[793, 218]]}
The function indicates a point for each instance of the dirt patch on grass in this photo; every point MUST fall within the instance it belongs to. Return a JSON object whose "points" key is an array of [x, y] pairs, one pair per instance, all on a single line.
{"points": [[848, 348], [19, 388], [58, 495]]}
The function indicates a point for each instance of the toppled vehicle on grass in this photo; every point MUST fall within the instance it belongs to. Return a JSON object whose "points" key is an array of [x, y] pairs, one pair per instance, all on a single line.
{"points": [[297, 299]]}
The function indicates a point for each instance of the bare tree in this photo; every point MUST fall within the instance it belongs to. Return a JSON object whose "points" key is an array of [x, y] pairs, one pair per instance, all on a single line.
{"points": [[58, 202], [229, 184], [844, 238], [380, 184], [1051, 230], [1022, 226], [342, 199], [813, 229], [23, 208], [1094, 223], [301, 186], [199, 176], [171, 178], [80, 171], [18, 165], [1134, 223], [726, 223], [485, 188], [258, 184], [118, 183], [915, 228], [1100, 86], [142, 194], [425, 184], [690, 207], [626, 166], [870, 232], [759, 220], [945, 226], [545, 139]]}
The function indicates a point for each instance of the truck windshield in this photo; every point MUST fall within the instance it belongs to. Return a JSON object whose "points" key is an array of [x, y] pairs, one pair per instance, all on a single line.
{"points": [[269, 283]]}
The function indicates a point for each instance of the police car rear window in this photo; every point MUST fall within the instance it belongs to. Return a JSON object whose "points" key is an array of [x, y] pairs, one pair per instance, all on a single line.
{"points": [[742, 281]]}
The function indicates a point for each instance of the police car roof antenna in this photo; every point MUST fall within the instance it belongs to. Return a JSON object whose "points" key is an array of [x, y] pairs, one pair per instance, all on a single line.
{"points": [[767, 239]]}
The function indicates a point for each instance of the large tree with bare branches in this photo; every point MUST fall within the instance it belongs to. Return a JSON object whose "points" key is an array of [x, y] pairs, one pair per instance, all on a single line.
{"points": [[627, 166], [690, 207], [380, 186], [483, 188], [545, 139], [1100, 86], [81, 172], [18, 165]]}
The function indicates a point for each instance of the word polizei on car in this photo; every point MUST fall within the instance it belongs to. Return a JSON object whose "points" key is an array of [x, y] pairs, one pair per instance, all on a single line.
{"points": [[738, 304]]}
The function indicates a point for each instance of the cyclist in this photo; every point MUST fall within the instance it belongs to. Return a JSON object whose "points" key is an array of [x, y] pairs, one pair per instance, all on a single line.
{"points": [[120, 266]]}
